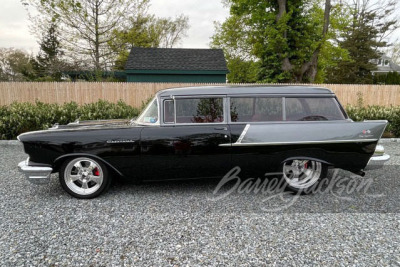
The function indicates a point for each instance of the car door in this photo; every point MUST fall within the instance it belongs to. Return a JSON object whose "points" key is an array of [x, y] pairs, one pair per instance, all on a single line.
{"points": [[192, 140]]}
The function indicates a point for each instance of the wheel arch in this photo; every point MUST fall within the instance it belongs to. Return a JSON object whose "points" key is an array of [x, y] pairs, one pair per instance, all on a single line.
{"points": [[308, 158], [59, 161]]}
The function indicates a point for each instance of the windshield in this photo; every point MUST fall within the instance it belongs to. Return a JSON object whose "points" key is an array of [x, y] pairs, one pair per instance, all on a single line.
{"points": [[149, 114]]}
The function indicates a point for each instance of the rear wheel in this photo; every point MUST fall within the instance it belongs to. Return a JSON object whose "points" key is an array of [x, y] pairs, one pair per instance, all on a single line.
{"points": [[302, 175], [84, 177]]}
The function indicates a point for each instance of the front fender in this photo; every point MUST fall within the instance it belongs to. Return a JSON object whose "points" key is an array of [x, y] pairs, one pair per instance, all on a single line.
{"points": [[58, 161]]}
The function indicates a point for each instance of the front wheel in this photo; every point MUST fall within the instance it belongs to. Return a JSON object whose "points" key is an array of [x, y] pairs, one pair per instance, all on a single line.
{"points": [[302, 175], [84, 177]]}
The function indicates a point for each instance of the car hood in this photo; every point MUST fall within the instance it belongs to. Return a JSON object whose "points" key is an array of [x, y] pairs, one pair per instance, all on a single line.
{"points": [[78, 126], [93, 123]]}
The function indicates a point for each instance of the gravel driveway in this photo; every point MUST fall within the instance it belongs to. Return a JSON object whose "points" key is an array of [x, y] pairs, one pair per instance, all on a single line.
{"points": [[184, 223]]}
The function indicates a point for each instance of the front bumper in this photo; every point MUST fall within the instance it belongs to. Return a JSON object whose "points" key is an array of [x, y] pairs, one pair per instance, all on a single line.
{"points": [[35, 174], [378, 159]]}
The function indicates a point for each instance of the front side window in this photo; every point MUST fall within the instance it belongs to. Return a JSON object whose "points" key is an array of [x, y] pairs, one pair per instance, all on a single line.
{"points": [[150, 113], [313, 109], [256, 109], [195, 110]]}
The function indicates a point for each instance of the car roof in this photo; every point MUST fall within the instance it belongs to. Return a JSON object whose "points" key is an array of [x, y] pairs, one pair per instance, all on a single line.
{"points": [[240, 90]]}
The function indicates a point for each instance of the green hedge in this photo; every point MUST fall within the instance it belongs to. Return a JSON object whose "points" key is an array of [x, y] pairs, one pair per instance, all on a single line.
{"points": [[18, 118], [22, 117]]}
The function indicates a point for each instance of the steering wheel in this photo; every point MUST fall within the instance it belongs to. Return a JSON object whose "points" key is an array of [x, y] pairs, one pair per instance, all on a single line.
{"points": [[314, 118]]}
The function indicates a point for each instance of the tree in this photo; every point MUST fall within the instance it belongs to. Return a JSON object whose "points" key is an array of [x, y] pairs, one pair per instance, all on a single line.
{"points": [[388, 78], [235, 39], [15, 65], [147, 31], [48, 64], [86, 26], [242, 71], [370, 25], [285, 36]]}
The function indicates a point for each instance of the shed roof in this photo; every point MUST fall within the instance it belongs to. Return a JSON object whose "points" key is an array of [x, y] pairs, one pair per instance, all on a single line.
{"points": [[176, 59]]}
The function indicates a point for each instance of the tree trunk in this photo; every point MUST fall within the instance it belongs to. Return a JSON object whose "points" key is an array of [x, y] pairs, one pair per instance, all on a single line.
{"points": [[97, 42], [286, 65], [310, 68]]}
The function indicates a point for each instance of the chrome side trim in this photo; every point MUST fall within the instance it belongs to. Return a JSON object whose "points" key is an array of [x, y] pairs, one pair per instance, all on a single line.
{"points": [[120, 141], [35, 174], [300, 142], [243, 134]]}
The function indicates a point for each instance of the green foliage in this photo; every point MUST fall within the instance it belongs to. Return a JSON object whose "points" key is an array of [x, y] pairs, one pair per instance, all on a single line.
{"points": [[16, 65], [147, 31], [18, 118], [48, 64], [236, 42], [391, 114], [362, 38], [283, 44], [241, 71], [389, 78]]}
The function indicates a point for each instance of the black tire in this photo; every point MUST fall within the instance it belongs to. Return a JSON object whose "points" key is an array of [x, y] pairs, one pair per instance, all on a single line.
{"points": [[84, 177], [304, 176]]}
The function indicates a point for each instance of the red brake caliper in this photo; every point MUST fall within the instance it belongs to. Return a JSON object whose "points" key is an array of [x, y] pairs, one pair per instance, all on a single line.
{"points": [[96, 172], [306, 164]]}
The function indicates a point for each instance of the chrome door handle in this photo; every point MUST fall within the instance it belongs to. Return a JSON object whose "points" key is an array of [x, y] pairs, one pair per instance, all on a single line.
{"points": [[221, 128]]}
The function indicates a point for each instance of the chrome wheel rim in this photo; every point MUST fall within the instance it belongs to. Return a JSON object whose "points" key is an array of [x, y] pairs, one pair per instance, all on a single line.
{"points": [[83, 176], [302, 174]]}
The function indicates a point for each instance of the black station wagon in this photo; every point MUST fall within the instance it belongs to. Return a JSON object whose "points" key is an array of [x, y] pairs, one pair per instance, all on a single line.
{"points": [[203, 132]]}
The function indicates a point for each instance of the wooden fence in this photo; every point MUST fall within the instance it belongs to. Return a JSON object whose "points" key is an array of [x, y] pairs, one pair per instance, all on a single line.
{"points": [[135, 93]]}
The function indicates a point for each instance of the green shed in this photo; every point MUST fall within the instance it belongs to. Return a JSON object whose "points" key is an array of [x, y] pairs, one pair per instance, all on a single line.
{"points": [[176, 65]]}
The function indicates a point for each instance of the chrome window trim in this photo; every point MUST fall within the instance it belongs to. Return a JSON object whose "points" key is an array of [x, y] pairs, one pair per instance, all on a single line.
{"points": [[174, 110], [146, 109], [177, 97], [163, 111], [284, 108]]}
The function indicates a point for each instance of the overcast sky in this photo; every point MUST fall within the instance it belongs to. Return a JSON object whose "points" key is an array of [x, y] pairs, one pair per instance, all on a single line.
{"points": [[14, 31]]}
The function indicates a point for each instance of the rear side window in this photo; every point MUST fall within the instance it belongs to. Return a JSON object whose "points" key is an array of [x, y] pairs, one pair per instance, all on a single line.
{"points": [[194, 110], [313, 109], [256, 109]]}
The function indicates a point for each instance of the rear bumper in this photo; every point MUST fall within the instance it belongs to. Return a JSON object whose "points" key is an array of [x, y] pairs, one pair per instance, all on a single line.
{"points": [[35, 174], [378, 159], [377, 162]]}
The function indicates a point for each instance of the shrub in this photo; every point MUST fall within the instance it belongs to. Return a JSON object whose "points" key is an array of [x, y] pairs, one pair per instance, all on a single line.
{"points": [[388, 78], [18, 118]]}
